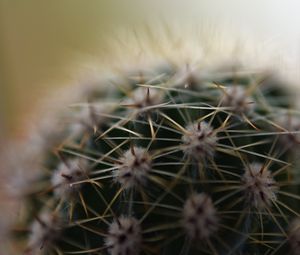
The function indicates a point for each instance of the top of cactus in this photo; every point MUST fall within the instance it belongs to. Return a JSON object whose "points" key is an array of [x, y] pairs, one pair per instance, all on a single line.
{"points": [[162, 135]]}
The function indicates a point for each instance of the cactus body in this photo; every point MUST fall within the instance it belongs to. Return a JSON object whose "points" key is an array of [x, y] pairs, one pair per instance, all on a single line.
{"points": [[162, 164]]}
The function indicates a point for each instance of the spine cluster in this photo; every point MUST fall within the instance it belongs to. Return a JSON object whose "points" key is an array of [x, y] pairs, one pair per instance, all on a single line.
{"points": [[199, 216]]}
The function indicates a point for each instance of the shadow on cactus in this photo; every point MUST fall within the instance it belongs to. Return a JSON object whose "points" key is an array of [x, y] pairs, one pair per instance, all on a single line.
{"points": [[156, 163]]}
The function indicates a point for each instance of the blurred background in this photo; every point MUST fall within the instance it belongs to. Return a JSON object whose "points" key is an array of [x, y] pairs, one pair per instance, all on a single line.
{"points": [[40, 39]]}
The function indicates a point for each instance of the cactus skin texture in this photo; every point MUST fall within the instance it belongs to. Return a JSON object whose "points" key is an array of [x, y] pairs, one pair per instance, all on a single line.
{"points": [[154, 163]]}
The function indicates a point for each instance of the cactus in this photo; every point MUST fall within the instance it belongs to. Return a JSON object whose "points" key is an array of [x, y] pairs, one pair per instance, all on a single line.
{"points": [[161, 161]]}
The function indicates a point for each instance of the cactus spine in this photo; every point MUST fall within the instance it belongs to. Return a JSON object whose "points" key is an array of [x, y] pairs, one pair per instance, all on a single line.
{"points": [[161, 164]]}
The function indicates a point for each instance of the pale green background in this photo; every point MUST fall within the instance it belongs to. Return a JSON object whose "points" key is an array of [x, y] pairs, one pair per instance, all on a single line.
{"points": [[39, 38]]}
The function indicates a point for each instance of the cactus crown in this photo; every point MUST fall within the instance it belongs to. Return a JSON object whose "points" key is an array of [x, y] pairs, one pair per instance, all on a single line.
{"points": [[162, 164]]}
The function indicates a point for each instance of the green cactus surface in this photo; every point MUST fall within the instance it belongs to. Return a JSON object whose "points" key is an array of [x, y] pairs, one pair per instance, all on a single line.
{"points": [[169, 161]]}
